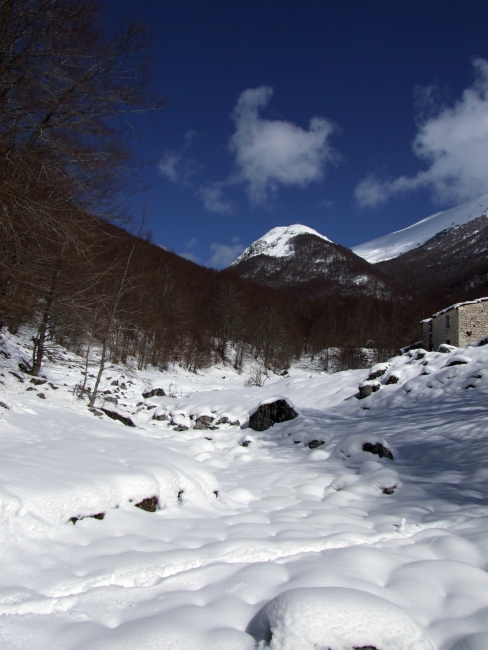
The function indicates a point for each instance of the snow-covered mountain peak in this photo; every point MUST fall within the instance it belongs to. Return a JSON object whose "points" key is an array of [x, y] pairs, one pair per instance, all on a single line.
{"points": [[277, 242], [399, 242]]}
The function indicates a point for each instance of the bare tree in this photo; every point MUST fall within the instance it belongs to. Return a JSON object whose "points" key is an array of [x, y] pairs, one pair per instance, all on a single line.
{"points": [[65, 85]]}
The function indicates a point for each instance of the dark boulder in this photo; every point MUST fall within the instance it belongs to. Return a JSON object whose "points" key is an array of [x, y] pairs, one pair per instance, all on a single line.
{"points": [[377, 373], [272, 413], [118, 416], [204, 422], [155, 392], [392, 379], [99, 516], [378, 449], [150, 504], [459, 361], [313, 444], [365, 391], [37, 381], [161, 417]]}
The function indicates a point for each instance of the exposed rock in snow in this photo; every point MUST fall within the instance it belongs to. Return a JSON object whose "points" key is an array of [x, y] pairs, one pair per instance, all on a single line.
{"points": [[115, 415], [154, 392], [378, 449], [270, 413]]}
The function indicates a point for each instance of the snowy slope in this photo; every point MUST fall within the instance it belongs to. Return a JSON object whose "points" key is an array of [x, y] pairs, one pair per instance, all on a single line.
{"points": [[401, 241], [276, 242], [277, 544]]}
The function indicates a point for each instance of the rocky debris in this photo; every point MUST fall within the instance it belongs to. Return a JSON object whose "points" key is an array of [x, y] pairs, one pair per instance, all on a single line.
{"points": [[458, 361], [155, 392], [37, 381], [73, 520], [377, 372], [216, 492], [389, 490], [161, 417], [123, 386], [41, 395], [313, 444], [392, 379], [444, 348], [95, 411], [150, 504], [378, 449], [365, 391], [4, 406], [180, 427], [53, 386], [225, 420], [245, 443], [266, 415], [180, 496], [17, 376], [204, 422], [115, 383], [30, 388], [118, 416], [111, 399]]}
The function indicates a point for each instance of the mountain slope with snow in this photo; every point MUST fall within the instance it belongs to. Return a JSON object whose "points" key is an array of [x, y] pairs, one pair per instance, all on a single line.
{"points": [[300, 257], [277, 242], [401, 241]]}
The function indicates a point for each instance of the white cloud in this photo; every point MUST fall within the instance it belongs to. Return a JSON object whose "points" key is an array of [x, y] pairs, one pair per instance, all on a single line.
{"points": [[191, 243], [454, 144], [270, 153], [223, 255], [214, 199], [168, 165], [174, 164]]}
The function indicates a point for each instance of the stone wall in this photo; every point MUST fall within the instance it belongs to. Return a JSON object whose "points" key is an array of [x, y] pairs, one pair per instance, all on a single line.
{"points": [[445, 328], [426, 334], [473, 323]]}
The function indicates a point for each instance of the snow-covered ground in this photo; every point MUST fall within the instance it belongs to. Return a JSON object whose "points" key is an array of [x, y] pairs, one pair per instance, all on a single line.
{"points": [[402, 241], [261, 540]]}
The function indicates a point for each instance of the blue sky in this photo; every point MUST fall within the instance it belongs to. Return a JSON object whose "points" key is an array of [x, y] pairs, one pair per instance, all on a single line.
{"points": [[355, 118]]}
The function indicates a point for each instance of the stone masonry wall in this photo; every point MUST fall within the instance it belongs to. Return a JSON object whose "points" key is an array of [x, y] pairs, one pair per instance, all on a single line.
{"points": [[473, 323], [441, 332], [426, 334]]}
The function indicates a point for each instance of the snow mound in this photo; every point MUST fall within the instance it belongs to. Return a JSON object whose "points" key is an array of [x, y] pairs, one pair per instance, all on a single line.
{"points": [[472, 642], [277, 242], [336, 618], [401, 241]]}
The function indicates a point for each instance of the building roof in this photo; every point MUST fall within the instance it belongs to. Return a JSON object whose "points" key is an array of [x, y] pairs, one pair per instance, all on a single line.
{"points": [[458, 304]]}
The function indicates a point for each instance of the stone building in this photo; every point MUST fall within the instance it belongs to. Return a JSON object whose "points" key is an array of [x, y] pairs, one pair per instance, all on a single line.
{"points": [[459, 325]]}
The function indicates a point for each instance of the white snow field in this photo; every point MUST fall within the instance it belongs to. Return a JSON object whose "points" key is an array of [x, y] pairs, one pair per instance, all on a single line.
{"points": [[260, 541], [402, 241]]}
